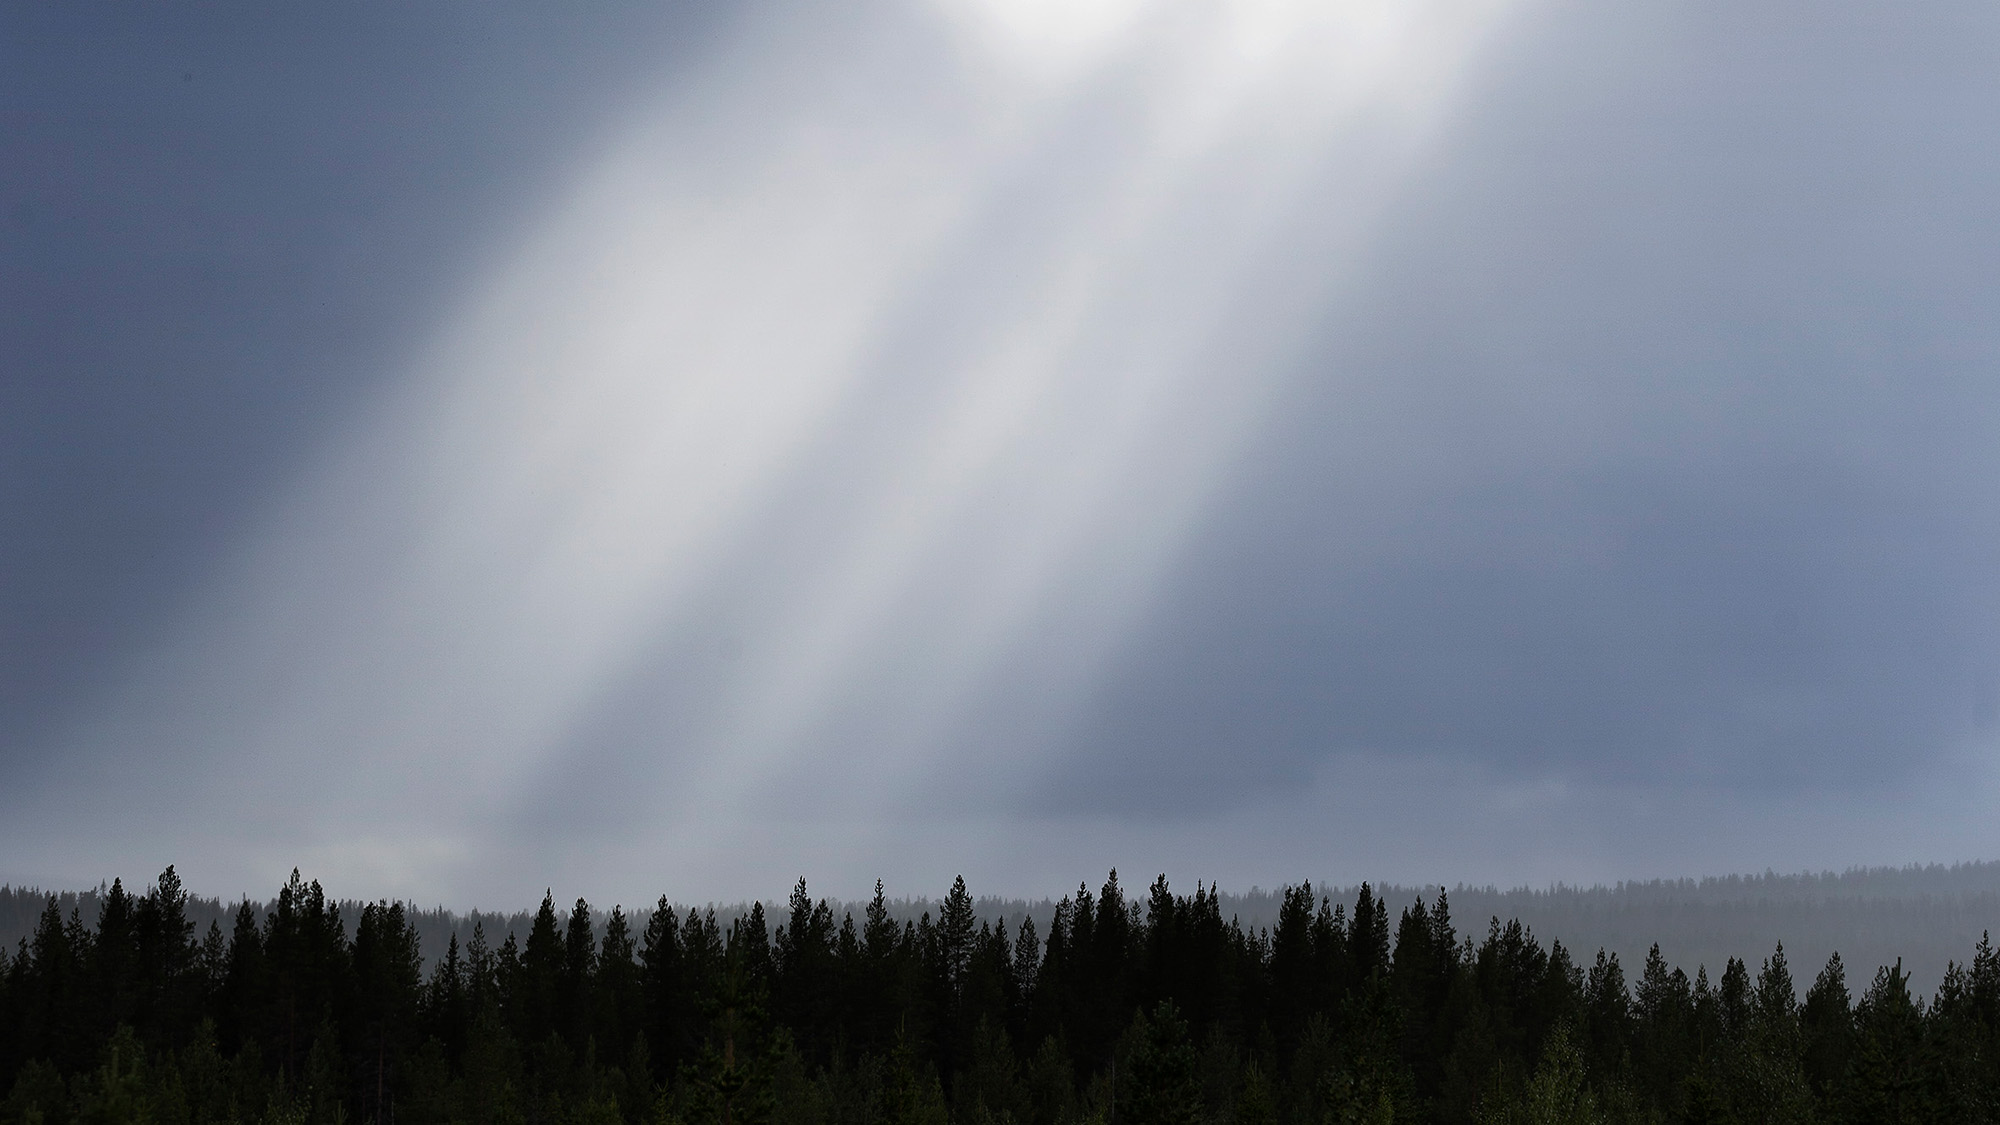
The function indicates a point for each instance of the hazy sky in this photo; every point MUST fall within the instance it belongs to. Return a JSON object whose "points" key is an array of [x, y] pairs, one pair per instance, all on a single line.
{"points": [[459, 449]]}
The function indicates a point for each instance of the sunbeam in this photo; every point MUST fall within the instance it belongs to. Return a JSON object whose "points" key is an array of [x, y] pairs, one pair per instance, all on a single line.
{"points": [[822, 444]]}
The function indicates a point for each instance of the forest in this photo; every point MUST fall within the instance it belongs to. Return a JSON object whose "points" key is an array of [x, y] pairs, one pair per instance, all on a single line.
{"points": [[1130, 1009]]}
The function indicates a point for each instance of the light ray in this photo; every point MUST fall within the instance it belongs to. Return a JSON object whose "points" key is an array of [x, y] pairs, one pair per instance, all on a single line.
{"points": [[986, 294]]}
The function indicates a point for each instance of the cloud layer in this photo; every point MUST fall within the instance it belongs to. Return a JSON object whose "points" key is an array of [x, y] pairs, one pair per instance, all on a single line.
{"points": [[927, 437]]}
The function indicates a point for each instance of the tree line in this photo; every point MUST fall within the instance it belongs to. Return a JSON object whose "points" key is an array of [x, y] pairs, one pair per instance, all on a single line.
{"points": [[1141, 1009]]}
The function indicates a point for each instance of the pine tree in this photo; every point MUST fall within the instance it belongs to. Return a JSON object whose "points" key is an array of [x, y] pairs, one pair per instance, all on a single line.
{"points": [[1768, 1080], [1827, 1031], [616, 1004], [1891, 1078], [988, 1087], [1957, 1045], [1663, 1044], [1732, 998], [1607, 1017], [804, 989], [112, 967], [662, 986], [1367, 939], [388, 969], [1255, 1103], [1421, 969], [1108, 950], [576, 983], [307, 970], [735, 1069], [1369, 1081], [1161, 1085], [1557, 1093], [880, 934], [446, 1006], [165, 956], [755, 936], [536, 994], [53, 992], [1333, 955], [955, 922], [1027, 960], [1983, 1000], [1558, 996], [210, 970], [1297, 989], [1774, 1013], [243, 987], [702, 954]]}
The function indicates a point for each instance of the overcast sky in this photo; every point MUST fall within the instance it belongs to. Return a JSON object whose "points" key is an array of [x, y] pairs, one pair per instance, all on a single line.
{"points": [[459, 449]]}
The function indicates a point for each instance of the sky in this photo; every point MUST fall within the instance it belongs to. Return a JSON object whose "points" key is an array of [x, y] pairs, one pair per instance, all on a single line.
{"points": [[461, 449]]}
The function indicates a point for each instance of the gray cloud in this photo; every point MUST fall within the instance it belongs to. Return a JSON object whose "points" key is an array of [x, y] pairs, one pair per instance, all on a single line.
{"points": [[221, 230], [900, 439], [1661, 449]]}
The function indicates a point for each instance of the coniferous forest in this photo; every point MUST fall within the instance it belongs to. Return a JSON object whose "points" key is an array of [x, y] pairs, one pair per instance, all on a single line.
{"points": [[1133, 1009]]}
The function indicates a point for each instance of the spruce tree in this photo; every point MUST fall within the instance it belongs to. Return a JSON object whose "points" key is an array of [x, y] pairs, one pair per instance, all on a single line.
{"points": [[1027, 959], [446, 1007], [1558, 1094], [1769, 1080], [1607, 1022], [535, 994], [1161, 1085], [616, 1002], [1732, 997], [1367, 939], [1892, 1077], [1297, 989], [387, 967], [662, 987], [53, 992], [955, 922], [165, 976], [243, 988], [576, 982], [112, 967], [1663, 1048]]}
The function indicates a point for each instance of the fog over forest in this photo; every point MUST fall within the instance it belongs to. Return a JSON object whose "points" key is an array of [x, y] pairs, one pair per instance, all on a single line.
{"points": [[1925, 916], [1152, 1008]]}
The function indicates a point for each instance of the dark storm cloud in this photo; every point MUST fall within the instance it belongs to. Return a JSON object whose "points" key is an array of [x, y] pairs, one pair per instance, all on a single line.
{"points": [[1663, 448], [218, 226]]}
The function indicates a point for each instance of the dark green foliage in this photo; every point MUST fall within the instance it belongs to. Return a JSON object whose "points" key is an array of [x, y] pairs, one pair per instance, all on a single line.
{"points": [[1964, 1031], [1827, 1029], [1367, 939], [613, 989], [575, 1002], [1607, 1017], [1161, 1083], [1893, 1076], [534, 982], [1157, 1010], [1664, 1046], [1558, 1093]]}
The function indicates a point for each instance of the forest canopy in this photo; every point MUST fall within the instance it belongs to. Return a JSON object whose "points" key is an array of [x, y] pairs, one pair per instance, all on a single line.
{"points": [[1140, 1008]]}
